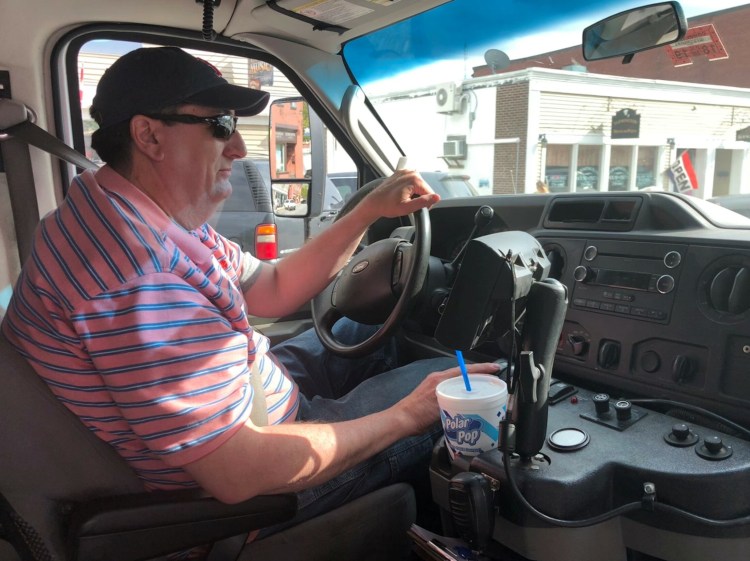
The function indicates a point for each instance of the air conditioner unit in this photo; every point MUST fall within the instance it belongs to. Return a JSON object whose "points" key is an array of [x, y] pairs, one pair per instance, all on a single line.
{"points": [[454, 149], [447, 98]]}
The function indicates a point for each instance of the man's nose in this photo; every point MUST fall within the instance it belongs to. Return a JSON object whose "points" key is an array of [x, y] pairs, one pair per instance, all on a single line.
{"points": [[235, 147]]}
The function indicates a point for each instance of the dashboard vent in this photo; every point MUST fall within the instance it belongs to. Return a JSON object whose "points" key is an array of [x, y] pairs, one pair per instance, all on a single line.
{"points": [[729, 290]]}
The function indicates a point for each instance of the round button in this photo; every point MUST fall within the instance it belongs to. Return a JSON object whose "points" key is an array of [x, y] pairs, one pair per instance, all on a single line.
{"points": [[568, 439], [665, 284], [590, 253], [672, 259], [650, 361]]}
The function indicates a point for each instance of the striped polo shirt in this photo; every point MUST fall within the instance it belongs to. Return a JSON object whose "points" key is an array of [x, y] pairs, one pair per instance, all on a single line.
{"points": [[139, 327]]}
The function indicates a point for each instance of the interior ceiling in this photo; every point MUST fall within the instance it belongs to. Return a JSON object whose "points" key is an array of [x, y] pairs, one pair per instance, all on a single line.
{"points": [[232, 17]]}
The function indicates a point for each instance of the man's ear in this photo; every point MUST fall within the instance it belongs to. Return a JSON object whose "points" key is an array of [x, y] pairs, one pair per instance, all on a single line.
{"points": [[146, 135]]}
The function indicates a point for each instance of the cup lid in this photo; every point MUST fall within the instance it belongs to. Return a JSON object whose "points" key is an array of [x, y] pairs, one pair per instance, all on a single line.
{"points": [[483, 387]]}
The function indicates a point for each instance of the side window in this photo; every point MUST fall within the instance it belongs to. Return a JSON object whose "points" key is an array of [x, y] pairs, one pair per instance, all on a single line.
{"points": [[257, 215]]}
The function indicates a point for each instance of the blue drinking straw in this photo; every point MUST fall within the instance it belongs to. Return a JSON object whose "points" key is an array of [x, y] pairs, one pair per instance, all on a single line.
{"points": [[462, 366]]}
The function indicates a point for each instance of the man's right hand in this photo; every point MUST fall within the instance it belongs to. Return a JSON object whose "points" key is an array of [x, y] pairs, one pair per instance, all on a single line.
{"points": [[420, 408]]}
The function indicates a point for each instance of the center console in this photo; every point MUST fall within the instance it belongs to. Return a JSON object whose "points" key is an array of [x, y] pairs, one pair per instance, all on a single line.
{"points": [[646, 485]]}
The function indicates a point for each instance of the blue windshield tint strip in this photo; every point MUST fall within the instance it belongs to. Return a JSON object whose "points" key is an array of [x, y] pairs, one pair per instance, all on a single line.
{"points": [[454, 29]]}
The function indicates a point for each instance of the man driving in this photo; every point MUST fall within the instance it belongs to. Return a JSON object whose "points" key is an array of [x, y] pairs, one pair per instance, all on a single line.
{"points": [[135, 311]]}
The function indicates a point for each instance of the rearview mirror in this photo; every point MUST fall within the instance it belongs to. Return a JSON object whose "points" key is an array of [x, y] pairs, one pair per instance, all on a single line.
{"points": [[634, 30]]}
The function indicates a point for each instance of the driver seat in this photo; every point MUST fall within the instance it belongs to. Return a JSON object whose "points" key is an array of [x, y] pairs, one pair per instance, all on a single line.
{"points": [[66, 495]]}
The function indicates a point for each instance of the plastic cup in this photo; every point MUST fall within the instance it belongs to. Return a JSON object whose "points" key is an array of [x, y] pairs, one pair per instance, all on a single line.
{"points": [[471, 419]]}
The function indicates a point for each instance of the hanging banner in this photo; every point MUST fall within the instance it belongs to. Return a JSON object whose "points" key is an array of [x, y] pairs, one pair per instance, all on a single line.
{"points": [[682, 174]]}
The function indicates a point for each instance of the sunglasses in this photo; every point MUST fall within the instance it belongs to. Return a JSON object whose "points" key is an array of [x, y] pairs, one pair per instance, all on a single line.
{"points": [[222, 126]]}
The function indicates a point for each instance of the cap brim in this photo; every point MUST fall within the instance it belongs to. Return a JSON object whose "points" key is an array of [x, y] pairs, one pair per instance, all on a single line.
{"points": [[244, 101]]}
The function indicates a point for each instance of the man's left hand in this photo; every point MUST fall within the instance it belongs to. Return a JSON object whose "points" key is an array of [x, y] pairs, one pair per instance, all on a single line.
{"points": [[402, 193]]}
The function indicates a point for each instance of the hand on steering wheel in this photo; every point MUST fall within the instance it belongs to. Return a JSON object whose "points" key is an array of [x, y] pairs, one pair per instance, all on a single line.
{"points": [[377, 286]]}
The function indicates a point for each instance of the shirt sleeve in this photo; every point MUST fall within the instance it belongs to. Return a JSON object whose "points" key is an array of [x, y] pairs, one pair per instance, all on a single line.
{"points": [[249, 271]]}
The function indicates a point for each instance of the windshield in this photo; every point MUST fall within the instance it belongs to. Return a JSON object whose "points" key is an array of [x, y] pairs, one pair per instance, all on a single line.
{"points": [[500, 95]]}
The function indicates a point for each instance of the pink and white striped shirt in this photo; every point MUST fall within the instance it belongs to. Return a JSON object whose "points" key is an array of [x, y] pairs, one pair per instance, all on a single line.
{"points": [[139, 327]]}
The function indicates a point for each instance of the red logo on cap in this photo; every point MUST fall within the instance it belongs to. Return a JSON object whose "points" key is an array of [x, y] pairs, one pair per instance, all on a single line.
{"points": [[218, 72]]}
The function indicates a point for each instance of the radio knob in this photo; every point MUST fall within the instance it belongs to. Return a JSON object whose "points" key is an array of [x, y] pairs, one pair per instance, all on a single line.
{"points": [[582, 273], [590, 253], [672, 259], [665, 284]]}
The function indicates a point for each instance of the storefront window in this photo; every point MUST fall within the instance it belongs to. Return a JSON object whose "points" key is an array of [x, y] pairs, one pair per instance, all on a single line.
{"points": [[619, 168], [557, 168], [646, 175], [587, 176]]}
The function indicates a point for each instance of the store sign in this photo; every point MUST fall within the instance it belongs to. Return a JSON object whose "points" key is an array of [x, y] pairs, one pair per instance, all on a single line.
{"points": [[286, 136], [626, 123], [744, 134], [698, 41], [682, 174]]}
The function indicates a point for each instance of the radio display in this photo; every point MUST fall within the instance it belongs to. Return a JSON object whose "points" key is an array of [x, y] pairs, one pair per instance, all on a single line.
{"points": [[623, 279]]}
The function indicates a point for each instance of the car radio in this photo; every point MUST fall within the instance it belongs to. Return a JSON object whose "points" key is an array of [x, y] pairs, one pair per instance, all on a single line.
{"points": [[640, 283]]}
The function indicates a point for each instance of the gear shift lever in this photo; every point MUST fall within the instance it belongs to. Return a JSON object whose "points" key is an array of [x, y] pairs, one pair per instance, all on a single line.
{"points": [[482, 217]]}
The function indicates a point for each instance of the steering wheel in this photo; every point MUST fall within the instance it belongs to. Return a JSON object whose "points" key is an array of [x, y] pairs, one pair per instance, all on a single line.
{"points": [[377, 286]]}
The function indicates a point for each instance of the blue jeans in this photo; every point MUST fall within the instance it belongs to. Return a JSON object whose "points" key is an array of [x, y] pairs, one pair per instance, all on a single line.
{"points": [[336, 389]]}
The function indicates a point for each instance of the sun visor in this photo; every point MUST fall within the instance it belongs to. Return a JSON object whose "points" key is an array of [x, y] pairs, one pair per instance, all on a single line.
{"points": [[327, 24]]}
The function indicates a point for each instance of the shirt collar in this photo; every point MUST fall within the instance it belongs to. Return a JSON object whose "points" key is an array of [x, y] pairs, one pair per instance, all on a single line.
{"points": [[189, 242]]}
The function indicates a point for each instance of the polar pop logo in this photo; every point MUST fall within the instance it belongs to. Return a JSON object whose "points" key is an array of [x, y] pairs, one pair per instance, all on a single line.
{"points": [[462, 430]]}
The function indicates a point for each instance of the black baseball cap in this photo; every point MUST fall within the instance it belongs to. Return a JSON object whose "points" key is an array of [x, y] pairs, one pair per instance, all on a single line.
{"points": [[147, 80]]}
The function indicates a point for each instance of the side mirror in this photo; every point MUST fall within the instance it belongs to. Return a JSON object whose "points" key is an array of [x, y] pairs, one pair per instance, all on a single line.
{"points": [[634, 30], [290, 156]]}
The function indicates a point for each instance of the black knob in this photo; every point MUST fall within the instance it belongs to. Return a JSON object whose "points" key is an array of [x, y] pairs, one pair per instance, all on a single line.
{"points": [[683, 369], [713, 444], [713, 448], [681, 436], [623, 410], [609, 354], [578, 344], [601, 403], [680, 431]]}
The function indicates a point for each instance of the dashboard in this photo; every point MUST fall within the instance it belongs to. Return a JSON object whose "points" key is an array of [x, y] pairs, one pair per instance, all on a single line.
{"points": [[658, 289], [648, 421]]}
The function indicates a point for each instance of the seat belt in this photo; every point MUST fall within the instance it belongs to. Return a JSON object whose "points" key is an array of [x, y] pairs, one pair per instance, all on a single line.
{"points": [[17, 132], [16, 531]]}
